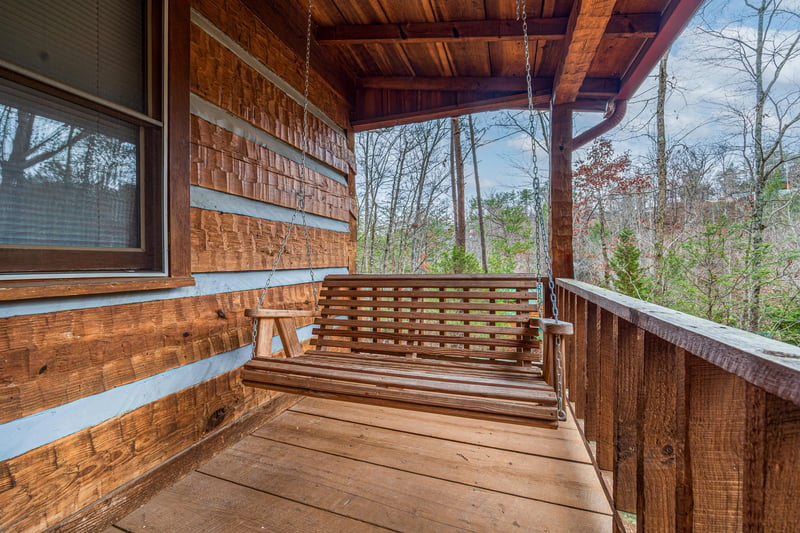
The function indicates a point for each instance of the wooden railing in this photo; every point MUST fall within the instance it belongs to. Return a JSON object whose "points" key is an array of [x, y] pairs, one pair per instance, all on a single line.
{"points": [[698, 422]]}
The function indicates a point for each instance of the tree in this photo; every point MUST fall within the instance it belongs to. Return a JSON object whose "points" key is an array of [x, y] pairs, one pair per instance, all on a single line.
{"points": [[599, 180], [757, 46], [628, 275]]}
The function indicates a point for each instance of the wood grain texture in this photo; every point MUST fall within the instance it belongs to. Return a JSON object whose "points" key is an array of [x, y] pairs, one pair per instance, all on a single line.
{"points": [[771, 477], [585, 29], [593, 383], [660, 437], [205, 503], [628, 369], [501, 471], [178, 139], [240, 23], [714, 448], [52, 359], [224, 242], [767, 363], [608, 384], [132, 495], [257, 101], [561, 191], [578, 395], [229, 163], [47, 485]]}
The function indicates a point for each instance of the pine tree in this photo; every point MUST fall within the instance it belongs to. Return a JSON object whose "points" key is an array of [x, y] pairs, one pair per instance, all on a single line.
{"points": [[627, 273]]}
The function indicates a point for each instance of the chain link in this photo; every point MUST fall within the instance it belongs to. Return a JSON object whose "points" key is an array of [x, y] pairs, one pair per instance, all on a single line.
{"points": [[300, 205], [542, 244]]}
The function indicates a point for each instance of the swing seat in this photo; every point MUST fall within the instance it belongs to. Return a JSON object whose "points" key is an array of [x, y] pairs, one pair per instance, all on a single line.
{"points": [[462, 345]]}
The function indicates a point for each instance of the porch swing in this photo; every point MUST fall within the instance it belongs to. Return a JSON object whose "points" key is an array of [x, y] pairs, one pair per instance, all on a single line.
{"points": [[465, 345]]}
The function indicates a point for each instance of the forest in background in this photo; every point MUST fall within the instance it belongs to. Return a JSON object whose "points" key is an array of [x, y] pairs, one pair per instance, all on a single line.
{"points": [[704, 223]]}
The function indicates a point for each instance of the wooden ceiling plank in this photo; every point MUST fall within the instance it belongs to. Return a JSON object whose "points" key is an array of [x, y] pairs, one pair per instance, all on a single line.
{"points": [[587, 24], [642, 26]]}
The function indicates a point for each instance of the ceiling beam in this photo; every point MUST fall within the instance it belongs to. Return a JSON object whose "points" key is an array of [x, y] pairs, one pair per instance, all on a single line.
{"points": [[607, 87], [643, 26], [587, 24], [363, 123]]}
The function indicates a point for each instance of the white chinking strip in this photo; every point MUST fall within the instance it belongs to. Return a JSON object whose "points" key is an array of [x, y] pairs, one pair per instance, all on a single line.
{"points": [[229, 203], [253, 62], [205, 284], [216, 115], [27, 433]]}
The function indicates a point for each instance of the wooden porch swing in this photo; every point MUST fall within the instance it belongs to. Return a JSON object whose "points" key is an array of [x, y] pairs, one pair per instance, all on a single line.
{"points": [[465, 345]]}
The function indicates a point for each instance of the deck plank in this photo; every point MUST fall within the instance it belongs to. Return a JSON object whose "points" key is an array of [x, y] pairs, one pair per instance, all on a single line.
{"points": [[387, 497], [556, 481], [202, 503], [560, 443], [333, 466]]}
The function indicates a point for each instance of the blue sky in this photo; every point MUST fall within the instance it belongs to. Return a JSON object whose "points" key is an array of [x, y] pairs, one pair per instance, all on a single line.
{"points": [[702, 91]]}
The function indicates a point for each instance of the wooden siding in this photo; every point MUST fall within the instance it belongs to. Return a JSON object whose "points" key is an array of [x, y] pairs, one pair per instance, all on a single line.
{"points": [[59, 355]]}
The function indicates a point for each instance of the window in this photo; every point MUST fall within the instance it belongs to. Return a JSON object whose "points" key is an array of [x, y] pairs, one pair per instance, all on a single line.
{"points": [[81, 137]]}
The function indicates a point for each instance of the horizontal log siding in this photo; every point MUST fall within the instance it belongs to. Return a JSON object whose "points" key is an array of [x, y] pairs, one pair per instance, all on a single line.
{"points": [[226, 242], [50, 359], [238, 22], [224, 80], [46, 485], [226, 162]]}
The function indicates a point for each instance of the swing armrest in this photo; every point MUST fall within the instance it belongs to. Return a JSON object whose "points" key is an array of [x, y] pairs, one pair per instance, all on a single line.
{"points": [[551, 326], [279, 313]]}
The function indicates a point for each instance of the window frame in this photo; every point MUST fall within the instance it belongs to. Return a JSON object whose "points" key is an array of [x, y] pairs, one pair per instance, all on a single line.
{"points": [[165, 170]]}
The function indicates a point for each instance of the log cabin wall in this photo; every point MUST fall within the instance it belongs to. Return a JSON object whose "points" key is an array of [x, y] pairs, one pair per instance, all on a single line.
{"points": [[106, 398]]}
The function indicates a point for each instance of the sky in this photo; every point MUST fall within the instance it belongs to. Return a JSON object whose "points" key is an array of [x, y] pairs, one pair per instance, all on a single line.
{"points": [[701, 90]]}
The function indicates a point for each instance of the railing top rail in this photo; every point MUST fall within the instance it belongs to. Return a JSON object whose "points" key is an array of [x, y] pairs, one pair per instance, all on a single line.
{"points": [[766, 363]]}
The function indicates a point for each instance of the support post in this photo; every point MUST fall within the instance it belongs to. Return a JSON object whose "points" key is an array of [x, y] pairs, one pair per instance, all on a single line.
{"points": [[561, 190]]}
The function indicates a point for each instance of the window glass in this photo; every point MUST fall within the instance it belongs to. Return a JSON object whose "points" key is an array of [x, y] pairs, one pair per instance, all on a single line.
{"points": [[69, 176], [97, 46]]}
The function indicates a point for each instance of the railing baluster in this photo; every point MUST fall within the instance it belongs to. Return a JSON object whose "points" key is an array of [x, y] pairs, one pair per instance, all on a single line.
{"points": [[660, 430], [772, 466], [630, 352], [714, 443], [592, 372], [704, 419], [578, 395], [606, 349]]}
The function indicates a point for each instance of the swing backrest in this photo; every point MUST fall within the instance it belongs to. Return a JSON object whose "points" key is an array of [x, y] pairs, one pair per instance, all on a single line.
{"points": [[479, 318]]}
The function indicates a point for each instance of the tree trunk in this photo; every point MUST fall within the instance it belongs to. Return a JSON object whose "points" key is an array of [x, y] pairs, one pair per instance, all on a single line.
{"points": [[661, 175], [484, 262], [461, 225]]}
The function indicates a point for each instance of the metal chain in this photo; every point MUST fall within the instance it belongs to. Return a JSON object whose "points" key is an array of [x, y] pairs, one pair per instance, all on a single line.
{"points": [[542, 243], [301, 197]]}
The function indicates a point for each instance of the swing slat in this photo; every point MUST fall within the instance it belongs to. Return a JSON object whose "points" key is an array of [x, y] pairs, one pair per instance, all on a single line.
{"points": [[370, 346]]}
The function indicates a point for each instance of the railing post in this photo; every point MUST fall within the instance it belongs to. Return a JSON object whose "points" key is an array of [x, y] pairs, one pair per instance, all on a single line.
{"points": [[630, 352], [660, 431], [771, 491], [607, 335]]}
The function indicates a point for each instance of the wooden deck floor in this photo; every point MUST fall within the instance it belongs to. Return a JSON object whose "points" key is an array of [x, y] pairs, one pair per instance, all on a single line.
{"points": [[335, 466]]}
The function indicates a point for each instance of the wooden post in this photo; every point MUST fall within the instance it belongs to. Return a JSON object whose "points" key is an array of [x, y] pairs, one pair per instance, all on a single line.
{"points": [[660, 431], [592, 371], [714, 442], [578, 395], [628, 374], [605, 392], [771, 492], [561, 190]]}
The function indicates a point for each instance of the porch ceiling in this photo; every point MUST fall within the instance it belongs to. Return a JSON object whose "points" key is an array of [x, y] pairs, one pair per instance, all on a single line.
{"points": [[419, 59]]}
